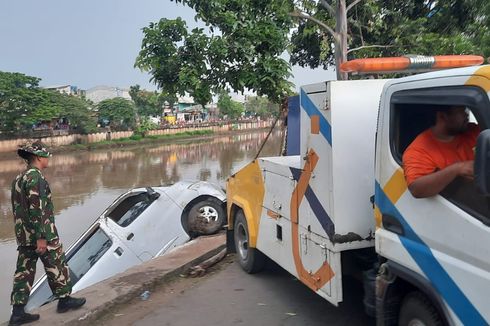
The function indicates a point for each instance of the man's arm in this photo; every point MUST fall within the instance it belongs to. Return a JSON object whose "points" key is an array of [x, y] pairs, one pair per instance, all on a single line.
{"points": [[37, 212], [432, 184]]}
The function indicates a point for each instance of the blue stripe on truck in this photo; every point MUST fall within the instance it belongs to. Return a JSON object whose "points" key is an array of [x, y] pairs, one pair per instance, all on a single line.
{"points": [[320, 213], [311, 109], [430, 266]]}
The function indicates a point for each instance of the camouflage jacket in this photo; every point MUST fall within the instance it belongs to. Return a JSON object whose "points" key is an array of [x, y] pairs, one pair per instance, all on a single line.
{"points": [[33, 208]]}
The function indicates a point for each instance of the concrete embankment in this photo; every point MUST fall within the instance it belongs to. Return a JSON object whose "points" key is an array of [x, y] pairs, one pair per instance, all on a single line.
{"points": [[123, 287], [72, 139]]}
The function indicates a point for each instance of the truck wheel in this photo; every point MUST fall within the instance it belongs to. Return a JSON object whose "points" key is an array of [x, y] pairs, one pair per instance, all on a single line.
{"points": [[251, 260], [206, 217], [416, 310]]}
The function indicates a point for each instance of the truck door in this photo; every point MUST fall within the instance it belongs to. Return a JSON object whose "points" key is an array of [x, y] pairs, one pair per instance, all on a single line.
{"points": [[443, 241]]}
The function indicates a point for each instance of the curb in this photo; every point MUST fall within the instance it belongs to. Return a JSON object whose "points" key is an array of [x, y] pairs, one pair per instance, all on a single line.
{"points": [[121, 288]]}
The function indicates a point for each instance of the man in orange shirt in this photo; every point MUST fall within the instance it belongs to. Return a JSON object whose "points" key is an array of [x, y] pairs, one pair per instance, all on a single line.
{"points": [[441, 153]]}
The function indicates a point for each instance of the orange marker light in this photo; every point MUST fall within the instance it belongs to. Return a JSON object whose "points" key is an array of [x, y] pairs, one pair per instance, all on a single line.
{"points": [[394, 64]]}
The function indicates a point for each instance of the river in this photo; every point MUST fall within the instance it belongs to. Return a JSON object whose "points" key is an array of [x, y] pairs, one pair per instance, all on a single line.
{"points": [[85, 183]]}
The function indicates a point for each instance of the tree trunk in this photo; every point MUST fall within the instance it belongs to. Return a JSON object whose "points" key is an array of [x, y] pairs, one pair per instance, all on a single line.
{"points": [[341, 38]]}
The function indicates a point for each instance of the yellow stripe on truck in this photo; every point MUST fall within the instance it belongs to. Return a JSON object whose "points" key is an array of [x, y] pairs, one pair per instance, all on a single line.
{"points": [[396, 186], [394, 189], [480, 78], [245, 189]]}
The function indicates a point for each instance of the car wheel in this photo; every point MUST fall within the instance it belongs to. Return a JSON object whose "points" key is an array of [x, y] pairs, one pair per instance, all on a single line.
{"points": [[251, 259], [416, 310], [206, 217]]}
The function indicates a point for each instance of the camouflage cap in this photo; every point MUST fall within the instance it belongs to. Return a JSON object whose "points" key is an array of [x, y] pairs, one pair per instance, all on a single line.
{"points": [[36, 148]]}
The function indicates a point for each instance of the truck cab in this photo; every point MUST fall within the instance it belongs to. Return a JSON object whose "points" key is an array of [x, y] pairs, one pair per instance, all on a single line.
{"points": [[342, 206], [433, 251]]}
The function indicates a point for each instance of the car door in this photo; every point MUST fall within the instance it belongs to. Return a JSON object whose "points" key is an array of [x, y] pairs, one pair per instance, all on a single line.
{"points": [[98, 254], [148, 222]]}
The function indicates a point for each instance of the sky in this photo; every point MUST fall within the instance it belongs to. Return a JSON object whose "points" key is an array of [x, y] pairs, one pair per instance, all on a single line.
{"points": [[90, 42]]}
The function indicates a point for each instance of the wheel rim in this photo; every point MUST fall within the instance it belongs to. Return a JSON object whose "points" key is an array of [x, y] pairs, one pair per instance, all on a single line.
{"points": [[416, 322], [242, 240], [208, 213]]}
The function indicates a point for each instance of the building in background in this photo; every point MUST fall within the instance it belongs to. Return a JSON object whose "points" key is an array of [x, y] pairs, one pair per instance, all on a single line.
{"points": [[67, 89], [99, 93]]}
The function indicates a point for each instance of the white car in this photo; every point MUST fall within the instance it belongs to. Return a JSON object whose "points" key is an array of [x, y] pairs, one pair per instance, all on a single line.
{"points": [[141, 224]]}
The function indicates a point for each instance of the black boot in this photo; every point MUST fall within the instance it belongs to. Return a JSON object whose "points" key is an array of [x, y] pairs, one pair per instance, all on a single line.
{"points": [[19, 316], [67, 303]]}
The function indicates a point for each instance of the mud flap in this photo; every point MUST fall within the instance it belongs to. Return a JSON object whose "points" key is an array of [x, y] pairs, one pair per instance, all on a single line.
{"points": [[230, 242]]}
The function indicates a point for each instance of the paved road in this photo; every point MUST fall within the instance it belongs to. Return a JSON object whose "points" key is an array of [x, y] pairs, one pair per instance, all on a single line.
{"points": [[232, 297]]}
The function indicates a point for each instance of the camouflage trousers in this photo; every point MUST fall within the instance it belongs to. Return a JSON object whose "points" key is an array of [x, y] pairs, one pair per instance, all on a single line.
{"points": [[57, 272]]}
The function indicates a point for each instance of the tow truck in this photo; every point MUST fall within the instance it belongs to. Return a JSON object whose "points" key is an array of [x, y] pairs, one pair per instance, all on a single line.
{"points": [[341, 205]]}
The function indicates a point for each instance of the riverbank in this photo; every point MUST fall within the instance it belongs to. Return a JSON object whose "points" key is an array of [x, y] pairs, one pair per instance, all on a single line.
{"points": [[137, 140], [122, 138]]}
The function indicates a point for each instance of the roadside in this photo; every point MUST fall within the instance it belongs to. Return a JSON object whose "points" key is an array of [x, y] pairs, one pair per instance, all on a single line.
{"points": [[121, 288], [139, 308], [227, 295]]}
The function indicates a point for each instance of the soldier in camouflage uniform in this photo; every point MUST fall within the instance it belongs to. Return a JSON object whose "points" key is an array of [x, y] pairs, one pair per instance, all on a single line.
{"points": [[37, 237]]}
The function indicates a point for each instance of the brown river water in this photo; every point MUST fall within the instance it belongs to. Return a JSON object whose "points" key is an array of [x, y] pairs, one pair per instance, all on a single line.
{"points": [[85, 183]]}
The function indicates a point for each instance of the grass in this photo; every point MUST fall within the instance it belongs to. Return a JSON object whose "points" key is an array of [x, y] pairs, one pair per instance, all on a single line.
{"points": [[137, 138]]}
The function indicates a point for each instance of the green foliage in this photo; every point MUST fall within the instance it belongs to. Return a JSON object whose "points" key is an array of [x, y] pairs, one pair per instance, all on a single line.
{"points": [[120, 112], [261, 106], [23, 103], [145, 125], [393, 28], [243, 54], [77, 111], [228, 107], [17, 94], [147, 103]]}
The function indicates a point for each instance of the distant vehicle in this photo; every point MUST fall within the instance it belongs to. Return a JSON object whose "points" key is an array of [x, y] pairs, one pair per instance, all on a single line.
{"points": [[141, 224]]}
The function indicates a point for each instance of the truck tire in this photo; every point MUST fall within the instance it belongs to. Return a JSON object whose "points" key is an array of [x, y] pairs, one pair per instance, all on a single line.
{"points": [[251, 260], [416, 310], [206, 217]]}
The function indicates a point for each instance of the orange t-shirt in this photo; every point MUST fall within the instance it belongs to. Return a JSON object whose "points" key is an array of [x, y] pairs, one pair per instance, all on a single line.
{"points": [[426, 154]]}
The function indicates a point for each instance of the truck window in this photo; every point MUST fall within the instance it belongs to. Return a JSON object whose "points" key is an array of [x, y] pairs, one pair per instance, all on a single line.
{"points": [[130, 208], [414, 111]]}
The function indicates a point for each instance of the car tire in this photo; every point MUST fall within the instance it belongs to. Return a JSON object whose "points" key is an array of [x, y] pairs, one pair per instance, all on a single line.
{"points": [[251, 259], [206, 217], [416, 310]]}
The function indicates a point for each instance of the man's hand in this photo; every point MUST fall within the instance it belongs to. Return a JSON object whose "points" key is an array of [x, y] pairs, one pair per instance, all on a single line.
{"points": [[466, 169], [41, 245]]}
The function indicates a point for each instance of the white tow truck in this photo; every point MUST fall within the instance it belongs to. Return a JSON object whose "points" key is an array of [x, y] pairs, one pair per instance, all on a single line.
{"points": [[342, 205]]}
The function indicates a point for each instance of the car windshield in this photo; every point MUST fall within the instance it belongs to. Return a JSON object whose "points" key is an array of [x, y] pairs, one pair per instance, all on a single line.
{"points": [[87, 254], [130, 208]]}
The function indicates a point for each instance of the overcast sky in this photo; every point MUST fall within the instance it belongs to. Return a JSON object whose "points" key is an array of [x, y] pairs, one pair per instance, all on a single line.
{"points": [[89, 42]]}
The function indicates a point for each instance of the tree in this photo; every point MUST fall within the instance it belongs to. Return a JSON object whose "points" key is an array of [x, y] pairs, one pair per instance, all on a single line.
{"points": [[251, 35], [147, 103], [372, 28], [120, 112], [77, 111], [261, 106], [23, 103], [228, 107], [17, 94], [243, 54]]}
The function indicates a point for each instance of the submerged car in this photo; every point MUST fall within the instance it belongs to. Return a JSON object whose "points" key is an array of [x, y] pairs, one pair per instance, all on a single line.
{"points": [[141, 224]]}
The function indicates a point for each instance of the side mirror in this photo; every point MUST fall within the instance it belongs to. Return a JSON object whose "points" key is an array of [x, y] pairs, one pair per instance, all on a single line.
{"points": [[482, 162], [152, 194]]}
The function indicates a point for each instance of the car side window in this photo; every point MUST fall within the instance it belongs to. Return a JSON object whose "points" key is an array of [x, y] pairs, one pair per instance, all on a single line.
{"points": [[130, 208], [88, 253]]}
